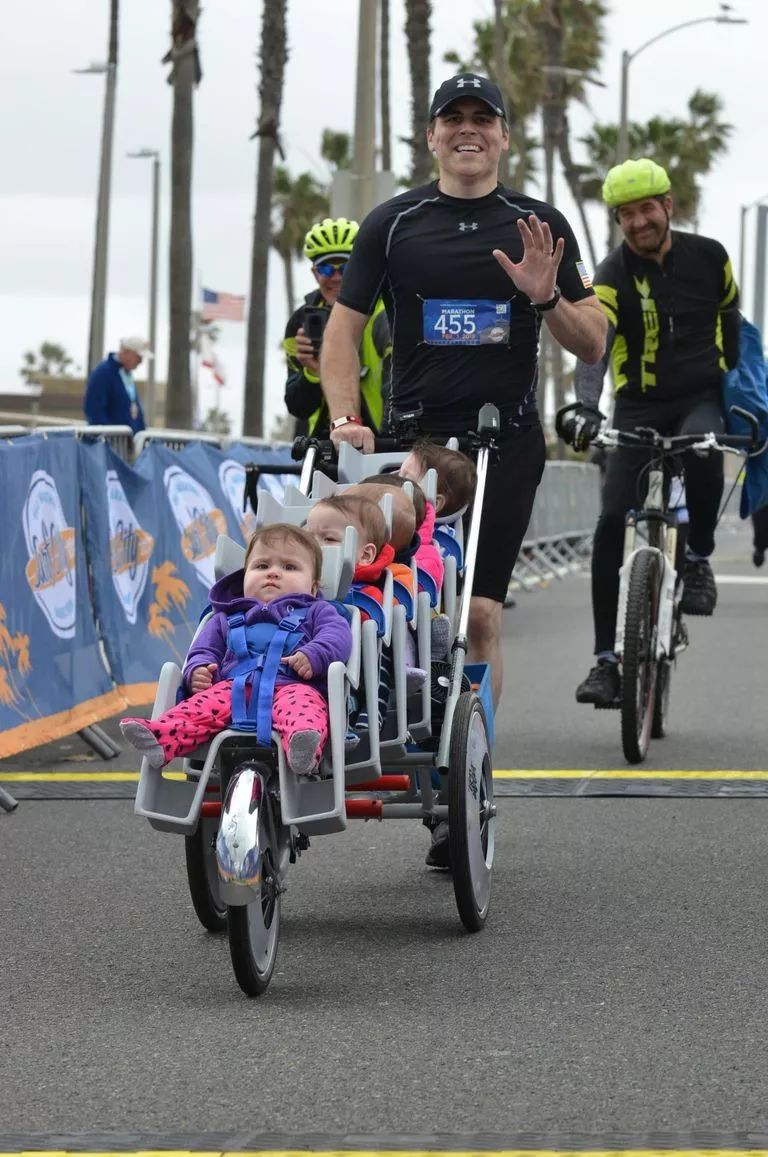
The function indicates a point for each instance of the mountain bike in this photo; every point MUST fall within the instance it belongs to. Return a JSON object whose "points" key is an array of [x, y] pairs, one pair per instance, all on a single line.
{"points": [[650, 630]]}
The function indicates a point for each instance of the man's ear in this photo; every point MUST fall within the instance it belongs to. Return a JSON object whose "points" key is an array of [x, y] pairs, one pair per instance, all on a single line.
{"points": [[439, 503], [668, 204], [368, 553]]}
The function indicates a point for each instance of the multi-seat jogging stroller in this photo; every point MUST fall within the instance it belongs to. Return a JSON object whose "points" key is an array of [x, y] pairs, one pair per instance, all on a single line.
{"points": [[246, 817]]}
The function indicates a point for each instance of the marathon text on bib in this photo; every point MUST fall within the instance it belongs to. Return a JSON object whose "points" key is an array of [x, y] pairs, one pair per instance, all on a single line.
{"points": [[466, 322]]}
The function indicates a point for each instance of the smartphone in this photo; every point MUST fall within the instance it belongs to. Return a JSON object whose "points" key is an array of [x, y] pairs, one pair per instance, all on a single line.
{"points": [[315, 318]]}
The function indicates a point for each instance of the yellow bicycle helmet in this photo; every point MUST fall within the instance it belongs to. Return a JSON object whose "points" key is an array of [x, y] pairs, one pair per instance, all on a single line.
{"points": [[328, 238], [633, 181]]}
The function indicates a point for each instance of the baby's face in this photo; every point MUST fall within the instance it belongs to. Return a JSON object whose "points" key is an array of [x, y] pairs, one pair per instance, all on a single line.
{"points": [[281, 568], [412, 468], [328, 525]]}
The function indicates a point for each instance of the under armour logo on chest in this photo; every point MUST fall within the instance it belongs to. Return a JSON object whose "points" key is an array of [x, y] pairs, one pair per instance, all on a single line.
{"points": [[467, 80], [468, 225]]}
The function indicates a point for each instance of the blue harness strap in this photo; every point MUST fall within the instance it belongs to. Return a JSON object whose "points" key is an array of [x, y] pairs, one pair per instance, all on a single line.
{"points": [[259, 648]]}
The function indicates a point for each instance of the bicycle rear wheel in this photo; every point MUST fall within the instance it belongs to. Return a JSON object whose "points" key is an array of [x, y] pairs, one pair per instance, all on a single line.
{"points": [[638, 682]]}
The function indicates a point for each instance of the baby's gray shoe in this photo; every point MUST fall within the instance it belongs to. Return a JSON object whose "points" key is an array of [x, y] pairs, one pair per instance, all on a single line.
{"points": [[302, 752], [441, 636], [139, 735]]}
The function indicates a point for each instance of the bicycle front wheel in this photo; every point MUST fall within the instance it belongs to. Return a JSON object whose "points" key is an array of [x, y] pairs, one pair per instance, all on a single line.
{"points": [[638, 683]]}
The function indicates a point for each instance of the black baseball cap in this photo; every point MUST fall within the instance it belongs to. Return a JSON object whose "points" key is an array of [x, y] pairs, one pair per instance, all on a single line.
{"points": [[467, 84]]}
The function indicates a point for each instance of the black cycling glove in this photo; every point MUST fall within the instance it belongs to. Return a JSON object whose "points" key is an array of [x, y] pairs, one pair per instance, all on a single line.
{"points": [[581, 426]]}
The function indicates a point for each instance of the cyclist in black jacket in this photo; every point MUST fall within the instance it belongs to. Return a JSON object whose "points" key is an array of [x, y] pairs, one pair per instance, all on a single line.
{"points": [[328, 245], [673, 312]]}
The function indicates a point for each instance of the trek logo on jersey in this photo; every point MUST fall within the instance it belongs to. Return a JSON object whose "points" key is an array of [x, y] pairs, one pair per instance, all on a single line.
{"points": [[468, 225], [586, 280]]}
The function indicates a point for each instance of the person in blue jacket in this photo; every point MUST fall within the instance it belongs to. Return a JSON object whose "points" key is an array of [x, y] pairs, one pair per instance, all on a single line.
{"points": [[111, 396]]}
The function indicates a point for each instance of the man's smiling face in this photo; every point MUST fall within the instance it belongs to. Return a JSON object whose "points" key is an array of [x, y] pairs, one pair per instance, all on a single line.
{"points": [[468, 139]]}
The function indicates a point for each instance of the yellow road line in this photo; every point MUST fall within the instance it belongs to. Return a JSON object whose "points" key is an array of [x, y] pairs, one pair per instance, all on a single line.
{"points": [[515, 773], [624, 773], [77, 777], [397, 1153]]}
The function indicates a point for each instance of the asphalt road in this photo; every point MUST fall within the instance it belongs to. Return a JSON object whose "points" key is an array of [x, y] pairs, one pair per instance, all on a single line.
{"points": [[618, 988]]}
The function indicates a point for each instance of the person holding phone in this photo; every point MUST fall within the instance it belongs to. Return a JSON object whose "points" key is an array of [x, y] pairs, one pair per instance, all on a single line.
{"points": [[327, 246]]}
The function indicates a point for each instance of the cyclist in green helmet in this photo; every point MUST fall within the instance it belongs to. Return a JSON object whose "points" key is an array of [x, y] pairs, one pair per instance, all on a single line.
{"points": [[673, 311], [328, 245]]}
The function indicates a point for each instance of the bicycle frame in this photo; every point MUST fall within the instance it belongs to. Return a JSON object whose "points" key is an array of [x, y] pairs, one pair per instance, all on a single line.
{"points": [[662, 541]]}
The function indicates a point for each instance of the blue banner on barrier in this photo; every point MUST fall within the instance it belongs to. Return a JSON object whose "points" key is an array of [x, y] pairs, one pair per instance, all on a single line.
{"points": [[150, 536], [52, 677], [151, 532], [147, 602]]}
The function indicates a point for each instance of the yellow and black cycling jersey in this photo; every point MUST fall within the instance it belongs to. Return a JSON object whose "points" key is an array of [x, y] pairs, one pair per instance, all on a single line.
{"points": [[674, 325], [303, 392]]}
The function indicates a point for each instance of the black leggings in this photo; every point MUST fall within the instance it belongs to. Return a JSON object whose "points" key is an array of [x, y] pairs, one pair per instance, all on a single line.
{"points": [[626, 485]]}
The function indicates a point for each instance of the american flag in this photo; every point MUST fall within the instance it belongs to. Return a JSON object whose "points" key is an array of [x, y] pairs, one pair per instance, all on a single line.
{"points": [[222, 306]]}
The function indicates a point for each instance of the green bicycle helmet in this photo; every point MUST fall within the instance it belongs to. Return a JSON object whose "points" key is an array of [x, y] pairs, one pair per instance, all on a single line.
{"points": [[633, 181], [328, 238]]}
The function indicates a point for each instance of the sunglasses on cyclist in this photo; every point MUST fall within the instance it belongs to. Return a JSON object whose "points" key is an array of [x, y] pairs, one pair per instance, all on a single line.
{"points": [[328, 268]]}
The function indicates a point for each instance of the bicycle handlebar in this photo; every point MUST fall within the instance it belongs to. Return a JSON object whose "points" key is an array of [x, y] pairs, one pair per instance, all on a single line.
{"points": [[646, 436]]}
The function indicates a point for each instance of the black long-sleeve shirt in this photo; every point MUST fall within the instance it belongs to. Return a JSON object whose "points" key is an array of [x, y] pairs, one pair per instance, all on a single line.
{"points": [[673, 326]]}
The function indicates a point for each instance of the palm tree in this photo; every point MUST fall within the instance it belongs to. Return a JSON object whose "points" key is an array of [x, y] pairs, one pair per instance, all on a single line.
{"points": [[521, 79], [687, 149], [417, 35], [335, 148], [185, 75], [549, 48], [273, 57], [299, 203]]}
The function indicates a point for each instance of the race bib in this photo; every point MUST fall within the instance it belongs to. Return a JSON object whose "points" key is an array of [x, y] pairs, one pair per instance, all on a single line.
{"points": [[466, 322]]}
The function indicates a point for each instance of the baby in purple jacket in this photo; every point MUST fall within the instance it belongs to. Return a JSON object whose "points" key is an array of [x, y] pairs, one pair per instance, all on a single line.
{"points": [[282, 572]]}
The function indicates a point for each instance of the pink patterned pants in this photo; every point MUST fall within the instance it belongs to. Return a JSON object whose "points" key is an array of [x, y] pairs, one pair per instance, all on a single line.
{"points": [[295, 707]]}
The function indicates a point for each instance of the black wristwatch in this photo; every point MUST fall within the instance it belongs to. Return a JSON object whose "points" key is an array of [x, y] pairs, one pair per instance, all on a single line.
{"points": [[547, 305]]}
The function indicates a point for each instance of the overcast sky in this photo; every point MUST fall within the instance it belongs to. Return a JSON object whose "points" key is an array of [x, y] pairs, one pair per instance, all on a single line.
{"points": [[51, 125]]}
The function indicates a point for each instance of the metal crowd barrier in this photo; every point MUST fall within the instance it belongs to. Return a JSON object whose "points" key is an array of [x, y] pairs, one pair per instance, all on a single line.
{"points": [[120, 438], [559, 537]]}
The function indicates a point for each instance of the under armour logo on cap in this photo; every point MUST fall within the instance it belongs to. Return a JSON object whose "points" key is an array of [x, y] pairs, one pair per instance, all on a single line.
{"points": [[465, 225], [467, 84]]}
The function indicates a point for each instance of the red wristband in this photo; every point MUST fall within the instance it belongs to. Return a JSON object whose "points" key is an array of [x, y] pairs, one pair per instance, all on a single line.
{"points": [[345, 420]]}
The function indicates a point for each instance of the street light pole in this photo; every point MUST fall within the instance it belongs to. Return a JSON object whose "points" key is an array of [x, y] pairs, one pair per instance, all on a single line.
{"points": [[743, 235], [364, 141], [101, 239], [622, 138], [150, 399]]}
